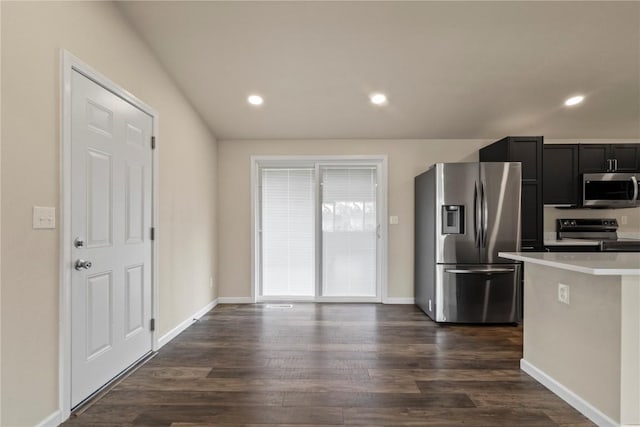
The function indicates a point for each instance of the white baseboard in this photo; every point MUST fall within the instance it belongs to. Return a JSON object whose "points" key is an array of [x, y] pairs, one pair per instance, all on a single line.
{"points": [[235, 300], [249, 300], [398, 301], [53, 420], [568, 396], [185, 324]]}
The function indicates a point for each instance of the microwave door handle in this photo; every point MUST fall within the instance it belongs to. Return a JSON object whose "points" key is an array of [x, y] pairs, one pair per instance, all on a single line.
{"points": [[634, 182]]}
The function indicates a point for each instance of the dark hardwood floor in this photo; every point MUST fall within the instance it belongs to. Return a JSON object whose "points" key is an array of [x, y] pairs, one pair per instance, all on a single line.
{"points": [[332, 364]]}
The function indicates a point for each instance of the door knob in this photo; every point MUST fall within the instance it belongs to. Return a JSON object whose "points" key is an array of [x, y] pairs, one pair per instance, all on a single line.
{"points": [[81, 264]]}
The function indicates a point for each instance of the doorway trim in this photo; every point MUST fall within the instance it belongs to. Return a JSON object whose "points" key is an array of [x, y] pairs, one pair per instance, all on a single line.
{"points": [[68, 64], [258, 161]]}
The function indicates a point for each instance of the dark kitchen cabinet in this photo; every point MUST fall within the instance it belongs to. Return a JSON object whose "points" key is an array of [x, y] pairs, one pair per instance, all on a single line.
{"points": [[604, 158], [626, 157], [528, 151], [560, 175]]}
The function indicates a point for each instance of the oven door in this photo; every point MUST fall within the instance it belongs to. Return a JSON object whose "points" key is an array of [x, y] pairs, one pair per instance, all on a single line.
{"points": [[613, 190]]}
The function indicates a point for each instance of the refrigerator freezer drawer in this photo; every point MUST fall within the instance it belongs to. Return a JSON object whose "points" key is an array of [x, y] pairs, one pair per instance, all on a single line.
{"points": [[478, 293]]}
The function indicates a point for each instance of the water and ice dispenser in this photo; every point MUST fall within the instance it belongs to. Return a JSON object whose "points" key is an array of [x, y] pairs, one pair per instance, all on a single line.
{"points": [[453, 219]]}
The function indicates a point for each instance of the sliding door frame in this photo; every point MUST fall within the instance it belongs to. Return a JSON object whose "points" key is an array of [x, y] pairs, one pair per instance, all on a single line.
{"points": [[259, 162]]}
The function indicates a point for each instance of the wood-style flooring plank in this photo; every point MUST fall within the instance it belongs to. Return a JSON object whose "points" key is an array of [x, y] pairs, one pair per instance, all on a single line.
{"points": [[267, 384], [445, 417], [290, 373], [195, 398], [379, 400], [241, 415], [448, 374]]}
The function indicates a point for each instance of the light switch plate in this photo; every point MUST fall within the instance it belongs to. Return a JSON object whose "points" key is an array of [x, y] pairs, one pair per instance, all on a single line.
{"points": [[44, 217], [393, 219]]}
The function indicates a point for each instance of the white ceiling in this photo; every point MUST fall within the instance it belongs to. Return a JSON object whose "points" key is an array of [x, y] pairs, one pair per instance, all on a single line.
{"points": [[450, 69]]}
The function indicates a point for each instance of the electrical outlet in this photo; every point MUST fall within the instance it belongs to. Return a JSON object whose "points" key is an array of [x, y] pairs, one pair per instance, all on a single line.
{"points": [[623, 220], [393, 219], [563, 293]]}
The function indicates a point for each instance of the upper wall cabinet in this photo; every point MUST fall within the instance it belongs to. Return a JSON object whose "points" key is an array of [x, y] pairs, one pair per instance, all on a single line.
{"points": [[528, 151], [561, 179], [605, 158]]}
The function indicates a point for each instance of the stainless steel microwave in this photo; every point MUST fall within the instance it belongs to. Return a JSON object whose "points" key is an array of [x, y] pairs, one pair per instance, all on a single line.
{"points": [[610, 190]]}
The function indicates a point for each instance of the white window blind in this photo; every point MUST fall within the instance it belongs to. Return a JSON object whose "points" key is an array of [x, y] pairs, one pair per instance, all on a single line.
{"points": [[288, 232], [349, 225]]}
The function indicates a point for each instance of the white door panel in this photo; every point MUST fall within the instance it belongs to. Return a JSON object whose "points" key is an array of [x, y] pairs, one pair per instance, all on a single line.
{"points": [[111, 213], [99, 205], [135, 199], [98, 314], [134, 300]]}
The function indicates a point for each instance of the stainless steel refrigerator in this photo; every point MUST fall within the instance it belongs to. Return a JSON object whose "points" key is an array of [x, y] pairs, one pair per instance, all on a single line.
{"points": [[465, 213]]}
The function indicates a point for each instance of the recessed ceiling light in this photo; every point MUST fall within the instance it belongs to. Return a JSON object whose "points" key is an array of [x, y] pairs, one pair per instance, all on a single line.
{"points": [[574, 100], [255, 100], [378, 98]]}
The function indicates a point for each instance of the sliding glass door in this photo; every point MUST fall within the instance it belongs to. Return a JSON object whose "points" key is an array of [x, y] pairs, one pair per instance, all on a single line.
{"points": [[318, 232]]}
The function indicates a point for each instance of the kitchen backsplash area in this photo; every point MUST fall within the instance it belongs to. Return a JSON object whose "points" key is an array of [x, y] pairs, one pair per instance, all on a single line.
{"points": [[629, 227]]}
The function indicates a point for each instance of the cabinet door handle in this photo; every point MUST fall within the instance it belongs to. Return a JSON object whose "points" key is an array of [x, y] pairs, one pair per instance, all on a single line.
{"points": [[615, 165]]}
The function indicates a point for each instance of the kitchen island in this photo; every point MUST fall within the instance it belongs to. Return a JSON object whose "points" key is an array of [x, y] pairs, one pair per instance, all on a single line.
{"points": [[586, 349]]}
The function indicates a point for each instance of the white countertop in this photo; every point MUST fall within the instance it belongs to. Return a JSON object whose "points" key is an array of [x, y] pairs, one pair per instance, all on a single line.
{"points": [[596, 263]]}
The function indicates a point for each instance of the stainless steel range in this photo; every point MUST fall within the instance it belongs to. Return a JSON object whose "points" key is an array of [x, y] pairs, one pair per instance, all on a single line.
{"points": [[602, 230]]}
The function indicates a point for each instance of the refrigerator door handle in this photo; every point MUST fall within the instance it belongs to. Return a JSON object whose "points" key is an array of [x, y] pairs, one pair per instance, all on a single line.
{"points": [[481, 271], [476, 216], [485, 215]]}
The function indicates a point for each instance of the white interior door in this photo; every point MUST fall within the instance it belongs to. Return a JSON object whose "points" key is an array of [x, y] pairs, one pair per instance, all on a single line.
{"points": [[111, 184]]}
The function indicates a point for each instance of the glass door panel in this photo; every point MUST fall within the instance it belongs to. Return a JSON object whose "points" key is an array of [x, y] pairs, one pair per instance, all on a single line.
{"points": [[288, 232], [349, 231]]}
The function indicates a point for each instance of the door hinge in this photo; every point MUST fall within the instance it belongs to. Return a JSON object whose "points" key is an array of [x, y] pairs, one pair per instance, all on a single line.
{"points": [[153, 233], [153, 142], [152, 325]]}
